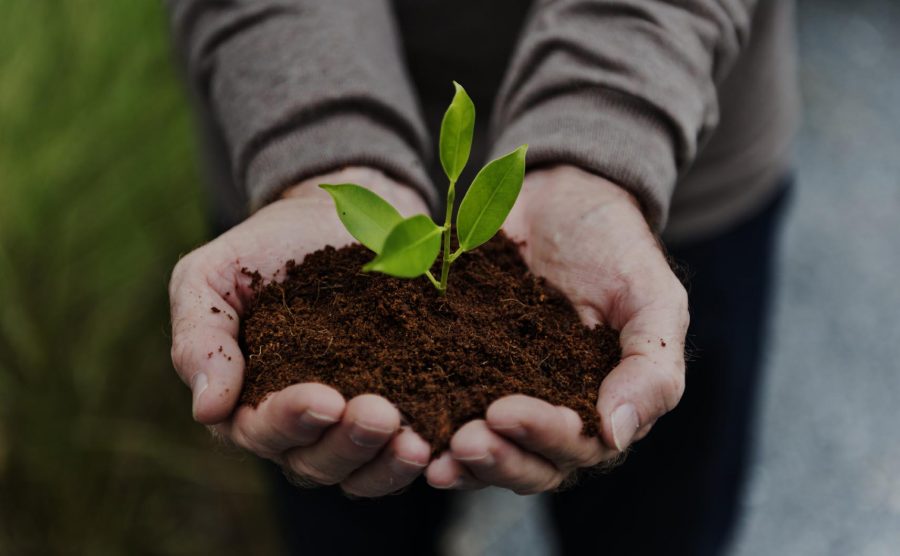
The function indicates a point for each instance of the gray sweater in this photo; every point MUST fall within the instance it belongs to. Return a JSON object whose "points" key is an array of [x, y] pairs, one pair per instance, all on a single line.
{"points": [[690, 105]]}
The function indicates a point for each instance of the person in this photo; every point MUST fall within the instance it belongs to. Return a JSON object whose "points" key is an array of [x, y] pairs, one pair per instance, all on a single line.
{"points": [[643, 118]]}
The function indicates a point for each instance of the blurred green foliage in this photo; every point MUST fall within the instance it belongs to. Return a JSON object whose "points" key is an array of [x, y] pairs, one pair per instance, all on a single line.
{"points": [[98, 196]]}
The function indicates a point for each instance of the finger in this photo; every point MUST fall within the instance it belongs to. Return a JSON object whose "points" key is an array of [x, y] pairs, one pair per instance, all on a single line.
{"points": [[205, 351], [553, 432], [397, 466], [496, 461], [295, 416], [649, 380], [446, 473], [369, 422]]}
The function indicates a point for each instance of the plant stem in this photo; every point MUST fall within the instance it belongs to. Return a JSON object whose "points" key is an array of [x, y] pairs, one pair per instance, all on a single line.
{"points": [[456, 255], [432, 279], [448, 224]]}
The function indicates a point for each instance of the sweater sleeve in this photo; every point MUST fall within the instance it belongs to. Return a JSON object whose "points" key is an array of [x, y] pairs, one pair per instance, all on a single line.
{"points": [[622, 88], [303, 87]]}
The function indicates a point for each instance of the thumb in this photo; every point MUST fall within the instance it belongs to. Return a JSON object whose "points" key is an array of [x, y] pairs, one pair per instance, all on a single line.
{"points": [[205, 352], [649, 380]]}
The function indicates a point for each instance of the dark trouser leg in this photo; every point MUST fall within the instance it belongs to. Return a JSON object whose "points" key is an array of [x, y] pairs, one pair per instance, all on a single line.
{"points": [[323, 521], [677, 493]]}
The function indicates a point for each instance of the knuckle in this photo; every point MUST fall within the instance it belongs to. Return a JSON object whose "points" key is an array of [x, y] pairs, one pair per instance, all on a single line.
{"points": [[345, 462], [680, 295], [585, 459], [681, 304], [240, 439], [181, 350], [567, 457], [355, 491], [247, 440], [673, 390], [175, 353], [306, 469], [677, 387], [404, 469], [527, 490], [505, 458], [552, 483], [543, 485], [570, 419], [372, 488]]}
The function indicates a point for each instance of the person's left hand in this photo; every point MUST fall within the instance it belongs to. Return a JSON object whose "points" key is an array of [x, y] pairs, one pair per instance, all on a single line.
{"points": [[588, 237]]}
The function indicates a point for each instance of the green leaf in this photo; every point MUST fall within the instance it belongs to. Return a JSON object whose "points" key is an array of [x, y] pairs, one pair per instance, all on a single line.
{"points": [[490, 198], [410, 249], [456, 133], [367, 217]]}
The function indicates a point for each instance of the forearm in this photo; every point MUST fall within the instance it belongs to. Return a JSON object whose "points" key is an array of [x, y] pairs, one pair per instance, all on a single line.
{"points": [[623, 89], [301, 88]]}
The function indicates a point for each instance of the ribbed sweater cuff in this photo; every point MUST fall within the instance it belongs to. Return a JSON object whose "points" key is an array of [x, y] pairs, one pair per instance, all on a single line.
{"points": [[347, 139], [604, 132]]}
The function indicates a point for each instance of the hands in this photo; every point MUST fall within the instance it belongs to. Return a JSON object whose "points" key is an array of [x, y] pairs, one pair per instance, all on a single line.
{"points": [[309, 429], [588, 237]]}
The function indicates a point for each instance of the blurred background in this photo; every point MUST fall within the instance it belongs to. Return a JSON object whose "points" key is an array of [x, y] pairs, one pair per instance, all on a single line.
{"points": [[99, 194], [98, 197]]}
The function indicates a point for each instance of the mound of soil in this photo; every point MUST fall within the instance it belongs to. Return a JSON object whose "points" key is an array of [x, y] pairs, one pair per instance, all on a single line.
{"points": [[440, 360]]}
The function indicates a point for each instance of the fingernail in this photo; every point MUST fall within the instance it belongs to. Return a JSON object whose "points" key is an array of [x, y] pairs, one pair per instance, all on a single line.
{"points": [[625, 423], [452, 485], [485, 459], [369, 437], [310, 420], [199, 384], [401, 466], [514, 431]]}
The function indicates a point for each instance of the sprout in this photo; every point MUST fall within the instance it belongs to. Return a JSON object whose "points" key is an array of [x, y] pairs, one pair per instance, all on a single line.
{"points": [[408, 247]]}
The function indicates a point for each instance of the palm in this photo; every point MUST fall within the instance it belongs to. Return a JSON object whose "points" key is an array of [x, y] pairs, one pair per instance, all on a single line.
{"points": [[591, 242], [284, 230]]}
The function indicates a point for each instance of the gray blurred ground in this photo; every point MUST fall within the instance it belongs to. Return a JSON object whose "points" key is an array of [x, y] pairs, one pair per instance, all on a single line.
{"points": [[827, 477]]}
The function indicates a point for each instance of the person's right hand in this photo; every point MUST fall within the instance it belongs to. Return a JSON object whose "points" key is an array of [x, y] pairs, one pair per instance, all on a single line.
{"points": [[309, 429]]}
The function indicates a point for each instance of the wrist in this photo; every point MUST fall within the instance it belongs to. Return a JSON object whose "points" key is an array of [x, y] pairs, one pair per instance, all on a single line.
{"points": [[406, 199]]}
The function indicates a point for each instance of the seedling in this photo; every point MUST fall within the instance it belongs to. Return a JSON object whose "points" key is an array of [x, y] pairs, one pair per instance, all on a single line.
{"points": [[408, 247]]}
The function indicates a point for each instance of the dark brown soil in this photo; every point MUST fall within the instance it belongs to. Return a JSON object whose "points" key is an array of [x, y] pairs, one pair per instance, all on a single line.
{"points": [[440, 360]]}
